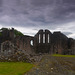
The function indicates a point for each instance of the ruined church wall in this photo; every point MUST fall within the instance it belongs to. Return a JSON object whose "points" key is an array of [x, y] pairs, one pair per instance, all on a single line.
{"points": [[59, 43], [71, 46], [42, 43], [24, 43], [7, 35], [7, 48], [46, 42]]}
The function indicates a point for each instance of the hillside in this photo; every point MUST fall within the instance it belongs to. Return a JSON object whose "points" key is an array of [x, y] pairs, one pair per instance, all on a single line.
{"points": [[52, 65]]}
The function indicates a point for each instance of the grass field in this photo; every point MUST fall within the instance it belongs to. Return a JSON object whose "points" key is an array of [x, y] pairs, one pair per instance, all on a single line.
{"points": [[63, 55], [14, 68]]}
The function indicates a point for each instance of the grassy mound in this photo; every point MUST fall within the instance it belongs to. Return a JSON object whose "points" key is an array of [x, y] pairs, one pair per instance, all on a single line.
{"points": [[14, 68]]}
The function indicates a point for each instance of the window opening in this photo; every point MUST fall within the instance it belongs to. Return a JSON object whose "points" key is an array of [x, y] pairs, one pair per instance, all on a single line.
{"points": [[43, 38], [48, 38], [31, 42], [39, 38]]}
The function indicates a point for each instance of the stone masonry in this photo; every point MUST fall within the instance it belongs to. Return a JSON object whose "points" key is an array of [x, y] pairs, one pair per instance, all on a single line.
{"points": [[43, 42]]}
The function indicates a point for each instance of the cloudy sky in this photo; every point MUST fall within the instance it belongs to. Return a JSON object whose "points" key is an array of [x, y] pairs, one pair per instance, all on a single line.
{"points": [[29, 16]]}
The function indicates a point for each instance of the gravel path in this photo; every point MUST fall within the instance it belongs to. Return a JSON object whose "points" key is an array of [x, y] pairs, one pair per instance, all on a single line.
{"points": [[50, 65]]}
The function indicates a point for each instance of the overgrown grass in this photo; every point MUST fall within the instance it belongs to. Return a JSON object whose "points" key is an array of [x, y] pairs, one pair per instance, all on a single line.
{"points": [[63, 55], [14, 68]]}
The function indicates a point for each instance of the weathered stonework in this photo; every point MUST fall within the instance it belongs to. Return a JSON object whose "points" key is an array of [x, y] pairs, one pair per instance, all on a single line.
{"points": [[71, 46], [23, 43], [59, 43], [7, 48], [43, 42]]}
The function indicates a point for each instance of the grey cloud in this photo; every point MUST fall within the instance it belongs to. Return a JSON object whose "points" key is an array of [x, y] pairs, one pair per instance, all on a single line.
{"points": [[1, 3], [69, 1], [1, 10], [52, 11], [37, 13], [67, 33], [58, 12], [41, 3], [39, 19]]}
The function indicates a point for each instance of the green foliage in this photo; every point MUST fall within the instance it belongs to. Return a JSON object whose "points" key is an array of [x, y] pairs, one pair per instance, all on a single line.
{"points": [[14, 68], [18, 33], [59, 55]]}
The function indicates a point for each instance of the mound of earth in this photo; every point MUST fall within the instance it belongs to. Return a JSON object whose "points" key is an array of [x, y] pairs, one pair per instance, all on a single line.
{"points": [[50, 65]]}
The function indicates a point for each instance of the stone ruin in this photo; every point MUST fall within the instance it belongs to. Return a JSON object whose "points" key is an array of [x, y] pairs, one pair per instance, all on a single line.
{"points": [[43, 42], [7, 48], [56, 43]]}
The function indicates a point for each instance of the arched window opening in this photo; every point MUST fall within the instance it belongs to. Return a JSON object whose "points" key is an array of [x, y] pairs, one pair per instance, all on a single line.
{"points": [[31, 42], [48, 38], [39, 38], [43, 38]]}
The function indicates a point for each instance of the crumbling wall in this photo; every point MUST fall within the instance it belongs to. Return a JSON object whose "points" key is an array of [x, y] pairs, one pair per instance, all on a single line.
{"points": [[8, 35], [46, 42], [42, 43], [59, 43], [24, 43], [7, 48], [71, 46]]}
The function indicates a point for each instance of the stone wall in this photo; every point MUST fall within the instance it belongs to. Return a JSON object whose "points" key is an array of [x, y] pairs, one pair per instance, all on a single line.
{"points": [[8, 34], [71, 46], [43, 42], [24, 43], [7, 48], [46, 42], [59, 43]]}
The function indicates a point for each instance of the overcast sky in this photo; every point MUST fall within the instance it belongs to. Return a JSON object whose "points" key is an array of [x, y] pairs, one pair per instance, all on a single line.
{"points": [[28, 16]]}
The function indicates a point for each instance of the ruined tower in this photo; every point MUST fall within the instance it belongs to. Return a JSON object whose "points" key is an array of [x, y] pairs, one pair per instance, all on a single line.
{"points": [[42, 42]]}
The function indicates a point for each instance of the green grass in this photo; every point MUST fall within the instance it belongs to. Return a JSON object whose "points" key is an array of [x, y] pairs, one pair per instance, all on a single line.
{"points": [[14, 68], [63, 55]]}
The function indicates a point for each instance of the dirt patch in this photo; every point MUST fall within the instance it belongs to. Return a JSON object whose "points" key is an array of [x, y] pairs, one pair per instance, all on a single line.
{"points": [[50, 65]]}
